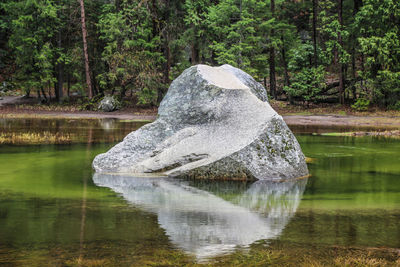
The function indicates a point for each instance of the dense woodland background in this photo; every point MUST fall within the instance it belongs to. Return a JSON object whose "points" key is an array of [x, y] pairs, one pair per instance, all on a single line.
{"points": [[345, 51]]}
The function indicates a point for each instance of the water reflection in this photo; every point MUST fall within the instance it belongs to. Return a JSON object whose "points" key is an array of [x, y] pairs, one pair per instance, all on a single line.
{"points": [[64, 131], [207, 218]]}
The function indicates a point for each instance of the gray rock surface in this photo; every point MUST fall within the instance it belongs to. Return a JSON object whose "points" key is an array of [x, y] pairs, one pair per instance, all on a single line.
{"points": [[108, 104], [214, 123]]}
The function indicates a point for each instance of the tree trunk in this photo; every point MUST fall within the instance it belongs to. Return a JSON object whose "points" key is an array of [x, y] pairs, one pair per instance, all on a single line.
{"points": [[314, 26], [241, 36], [49, 90], [94, 84], [168, 63], [353, 70], [272, 78], [60, 70], [167, 54], [100, 90], [85, 50], [38, 96], [341, 65], [356, 8], [285, 65], [56, 90], [44, 94], [154, 18], [363, 71], [353, 50], [122, 93], [68, 84], [195, 53], [285, 69], [166, 69]]}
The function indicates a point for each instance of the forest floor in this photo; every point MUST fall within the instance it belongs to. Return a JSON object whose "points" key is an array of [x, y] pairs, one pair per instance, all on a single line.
{"points": [[331, 115]]}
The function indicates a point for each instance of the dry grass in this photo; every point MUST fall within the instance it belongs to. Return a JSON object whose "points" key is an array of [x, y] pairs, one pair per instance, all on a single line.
{"points": [[310, 160], [35, 138], [362, 261], [87, 262], [394, 133], [338, 257], [65, 115], [260, 255], [53, 107]]}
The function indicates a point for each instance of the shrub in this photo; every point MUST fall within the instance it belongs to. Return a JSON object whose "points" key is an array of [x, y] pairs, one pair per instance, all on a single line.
{"points": [[395, 106], [361, 104], [147, 96], [307, 84]]}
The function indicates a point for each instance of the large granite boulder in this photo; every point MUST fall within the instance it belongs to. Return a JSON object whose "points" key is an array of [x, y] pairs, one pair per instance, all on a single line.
{"points": [[214, 123]]}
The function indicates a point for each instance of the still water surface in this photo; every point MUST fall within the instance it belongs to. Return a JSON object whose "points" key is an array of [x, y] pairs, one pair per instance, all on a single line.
{"points": [[53, 208]]}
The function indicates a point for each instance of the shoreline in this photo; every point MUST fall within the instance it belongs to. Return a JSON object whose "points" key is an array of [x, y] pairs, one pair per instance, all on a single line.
{"points": [[321, 117], [378, 122], [328, 120], [40, 114]]}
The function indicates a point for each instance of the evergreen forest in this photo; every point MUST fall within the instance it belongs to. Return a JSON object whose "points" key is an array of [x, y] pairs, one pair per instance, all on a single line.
{"points": [[303, 51]]}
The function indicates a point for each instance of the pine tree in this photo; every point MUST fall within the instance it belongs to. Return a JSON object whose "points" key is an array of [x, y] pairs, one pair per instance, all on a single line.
{"points": [[85, 50], [130, 51], [240, 34], [379, 26], [33, 30]]}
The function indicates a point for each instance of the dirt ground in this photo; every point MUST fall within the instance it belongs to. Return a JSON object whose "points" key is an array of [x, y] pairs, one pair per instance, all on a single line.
{"points": [[19, 107], [332, 115], [344, 121]]}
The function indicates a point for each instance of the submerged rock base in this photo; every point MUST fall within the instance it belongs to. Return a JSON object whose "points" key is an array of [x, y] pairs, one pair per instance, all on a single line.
{"points": [[214, 123]]}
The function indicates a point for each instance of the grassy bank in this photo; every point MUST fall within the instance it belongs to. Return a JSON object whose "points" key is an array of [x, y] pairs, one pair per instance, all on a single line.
{"points": [[257, 255]]}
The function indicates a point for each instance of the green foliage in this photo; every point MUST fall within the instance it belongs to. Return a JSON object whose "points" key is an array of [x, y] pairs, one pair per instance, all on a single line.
{"points": [[361, 104], [197, 33], [307, 84], [3, 37], [130, 49], [6, 87], [396, 106], [301, 57], [89, 104], [33, 25], [147, 96], [241, 29], [379, 25], [140, 46], [330, 29], [387, 88]]}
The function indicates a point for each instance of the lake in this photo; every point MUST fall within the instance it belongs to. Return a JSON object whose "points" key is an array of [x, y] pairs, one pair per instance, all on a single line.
{"points": [[55, 211]]}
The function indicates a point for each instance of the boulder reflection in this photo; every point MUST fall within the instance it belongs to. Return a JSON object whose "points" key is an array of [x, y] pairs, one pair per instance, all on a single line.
{"points": [[211, 218]]}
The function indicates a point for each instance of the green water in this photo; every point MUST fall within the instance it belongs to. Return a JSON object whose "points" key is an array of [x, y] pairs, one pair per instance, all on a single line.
{"points": [[353, 196], [53, 211]]}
